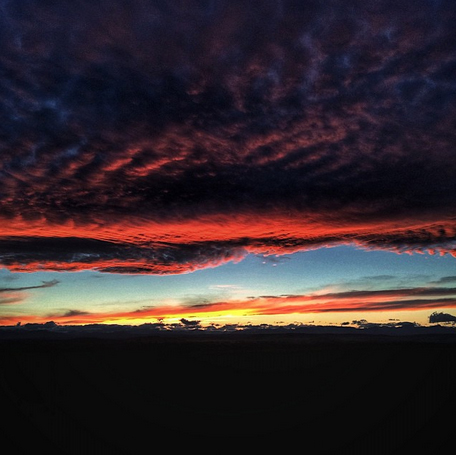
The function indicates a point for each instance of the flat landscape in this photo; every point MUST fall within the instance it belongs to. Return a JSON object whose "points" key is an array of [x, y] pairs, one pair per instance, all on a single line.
{"points": [[332, 393]]}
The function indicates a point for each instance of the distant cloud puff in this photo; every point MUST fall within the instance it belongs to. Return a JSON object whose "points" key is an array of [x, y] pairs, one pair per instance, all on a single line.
{"points": [[441, 317]]}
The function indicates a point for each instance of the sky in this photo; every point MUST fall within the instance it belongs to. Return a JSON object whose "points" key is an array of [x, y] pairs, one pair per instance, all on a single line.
{"points": [[227, 161]]}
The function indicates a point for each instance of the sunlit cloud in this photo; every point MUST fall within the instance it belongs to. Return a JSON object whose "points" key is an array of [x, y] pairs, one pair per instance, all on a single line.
{"points": [[407, 299], [188, 135]]}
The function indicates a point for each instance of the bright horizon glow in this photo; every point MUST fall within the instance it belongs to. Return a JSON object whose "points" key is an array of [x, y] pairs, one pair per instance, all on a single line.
{"points": [[329, 286], [213, 162]]}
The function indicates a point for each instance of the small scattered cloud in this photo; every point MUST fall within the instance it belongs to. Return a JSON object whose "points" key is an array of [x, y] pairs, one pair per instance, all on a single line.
{"points": [[188, 323], [9, 298], [441, 317], [70, 313], [364, 324], [445, 279], [187, 327], [273, 260]]}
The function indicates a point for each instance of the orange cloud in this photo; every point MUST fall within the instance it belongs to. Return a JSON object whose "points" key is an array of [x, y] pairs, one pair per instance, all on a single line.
{"points": [[142, 245], [349, 301]]}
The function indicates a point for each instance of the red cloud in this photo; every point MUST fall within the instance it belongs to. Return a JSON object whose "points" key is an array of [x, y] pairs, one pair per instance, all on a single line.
{"points": [[138, 245], [350, 301], [227, 130]]}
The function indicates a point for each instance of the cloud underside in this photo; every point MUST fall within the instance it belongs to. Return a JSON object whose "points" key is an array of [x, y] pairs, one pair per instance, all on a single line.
{"points": [[172, 136], [173, 248], [355, 301]]}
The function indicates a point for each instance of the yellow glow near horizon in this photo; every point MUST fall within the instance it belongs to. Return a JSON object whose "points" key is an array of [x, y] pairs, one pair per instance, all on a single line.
{"points": [[248, 317]]}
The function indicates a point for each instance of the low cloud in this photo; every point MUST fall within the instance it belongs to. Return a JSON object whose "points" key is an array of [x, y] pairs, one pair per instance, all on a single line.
{"points": [[441, 317], [363, 330], [189, 323], [331, 302], [71, 313]]}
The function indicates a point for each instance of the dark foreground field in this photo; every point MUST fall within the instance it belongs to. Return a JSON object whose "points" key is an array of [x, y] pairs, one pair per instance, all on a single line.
{"points": [[319, 393]]}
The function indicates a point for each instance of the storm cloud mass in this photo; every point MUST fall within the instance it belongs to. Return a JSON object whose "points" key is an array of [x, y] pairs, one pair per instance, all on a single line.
{"points": [[166, 136]]}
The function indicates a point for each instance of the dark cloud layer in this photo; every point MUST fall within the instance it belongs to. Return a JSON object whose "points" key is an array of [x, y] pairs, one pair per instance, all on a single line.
{"points": [[124, 124]]}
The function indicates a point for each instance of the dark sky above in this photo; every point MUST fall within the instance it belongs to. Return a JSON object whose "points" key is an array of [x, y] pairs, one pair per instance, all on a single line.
{"points": [[165, 136]]}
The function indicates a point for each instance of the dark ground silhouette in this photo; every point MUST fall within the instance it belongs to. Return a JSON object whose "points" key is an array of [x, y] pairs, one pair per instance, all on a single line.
{"points": [[321, 393]]}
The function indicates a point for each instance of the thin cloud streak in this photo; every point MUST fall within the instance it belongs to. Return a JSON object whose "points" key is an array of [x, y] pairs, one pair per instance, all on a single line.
{"points": [[16, 295], [46, 284], [352, 301]]}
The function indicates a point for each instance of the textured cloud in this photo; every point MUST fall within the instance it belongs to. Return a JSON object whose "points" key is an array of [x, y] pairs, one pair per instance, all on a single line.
{"points": [[161, 137]]}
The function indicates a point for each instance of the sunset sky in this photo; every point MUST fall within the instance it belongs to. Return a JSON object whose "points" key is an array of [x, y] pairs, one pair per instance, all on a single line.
{"points": [[227, 161]]}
